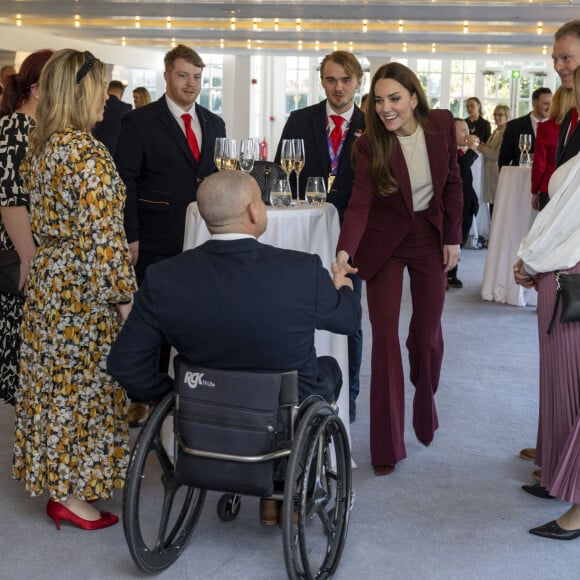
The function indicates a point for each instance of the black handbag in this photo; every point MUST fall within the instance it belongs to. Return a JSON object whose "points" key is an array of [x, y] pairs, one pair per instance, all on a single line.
{"points": [[9, 272], [568, 289], [265, 172]]}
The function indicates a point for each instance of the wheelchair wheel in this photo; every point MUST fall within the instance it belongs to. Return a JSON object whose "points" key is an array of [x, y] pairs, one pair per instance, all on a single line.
{"points": [[317, 495], [228, 507], [159, 514]]}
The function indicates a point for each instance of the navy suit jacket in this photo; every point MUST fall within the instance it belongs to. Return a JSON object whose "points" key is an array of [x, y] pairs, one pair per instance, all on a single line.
{"points": [[564, 153], [161, 175], [509, 152], [310, 124], [231, 304], [107, 130]]}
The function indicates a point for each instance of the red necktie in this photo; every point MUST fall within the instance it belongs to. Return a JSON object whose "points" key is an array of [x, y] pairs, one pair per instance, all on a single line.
{"points": [[336, 135], [190, 136]]}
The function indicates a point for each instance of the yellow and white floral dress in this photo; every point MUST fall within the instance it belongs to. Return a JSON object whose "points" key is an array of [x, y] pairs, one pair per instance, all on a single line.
{"points": [[71, 433]]}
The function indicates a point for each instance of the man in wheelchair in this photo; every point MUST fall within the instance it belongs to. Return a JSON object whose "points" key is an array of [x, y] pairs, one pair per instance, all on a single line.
{"points": [[234, 303]]}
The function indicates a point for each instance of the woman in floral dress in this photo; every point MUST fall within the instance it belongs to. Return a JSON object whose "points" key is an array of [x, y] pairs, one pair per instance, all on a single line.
{"points": [[71, 436], [16, 119]]}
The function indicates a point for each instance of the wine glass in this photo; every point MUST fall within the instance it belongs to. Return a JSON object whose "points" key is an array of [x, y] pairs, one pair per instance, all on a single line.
{"points": [[299, 161], [315, 191], [247, 155], [280, 193], [231, 154], [219, 152], [287, 157], [525, 146]]}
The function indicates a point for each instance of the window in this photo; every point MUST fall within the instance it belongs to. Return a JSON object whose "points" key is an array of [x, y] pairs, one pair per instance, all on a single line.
{"points": [[429, 73], [210, 96], [298, 69], [462, 85]]}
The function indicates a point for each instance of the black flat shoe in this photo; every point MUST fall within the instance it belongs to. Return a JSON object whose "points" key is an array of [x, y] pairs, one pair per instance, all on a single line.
{"points": [[553, 531], [537, 490]]}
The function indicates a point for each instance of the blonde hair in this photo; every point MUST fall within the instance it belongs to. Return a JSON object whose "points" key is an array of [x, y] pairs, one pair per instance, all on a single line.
{"points": [[562, 100], [70, 85], [144, 94]]}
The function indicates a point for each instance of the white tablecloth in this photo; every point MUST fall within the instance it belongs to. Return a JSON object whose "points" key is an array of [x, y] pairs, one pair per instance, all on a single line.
{"points": [[512, 218], [480, 225], [312, 229]]}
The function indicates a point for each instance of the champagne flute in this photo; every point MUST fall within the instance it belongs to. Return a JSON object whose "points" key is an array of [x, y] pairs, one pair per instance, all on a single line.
{"points": [[280, 193], [299, 161], [247, 155], [315, 191], [525, 145], [287, 157], [219, 153], [231, 154]]}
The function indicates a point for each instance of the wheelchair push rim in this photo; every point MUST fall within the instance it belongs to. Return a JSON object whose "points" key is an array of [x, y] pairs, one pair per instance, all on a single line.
{"points": [[154, 547]]}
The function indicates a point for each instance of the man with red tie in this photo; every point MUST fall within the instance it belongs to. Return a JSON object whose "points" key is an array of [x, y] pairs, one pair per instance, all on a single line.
{"points": [[329, 130], [164, 151], [566, 57]]}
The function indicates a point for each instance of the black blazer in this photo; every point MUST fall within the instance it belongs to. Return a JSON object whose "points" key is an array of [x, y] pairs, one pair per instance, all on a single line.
{"points": [[231, 304], [563, 154], [509, 152], [310, 124], [107, 131], [161, 175]]}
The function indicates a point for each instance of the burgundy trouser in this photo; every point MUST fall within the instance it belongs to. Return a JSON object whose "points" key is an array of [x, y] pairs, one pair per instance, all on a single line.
{"points": [[420, 252]]}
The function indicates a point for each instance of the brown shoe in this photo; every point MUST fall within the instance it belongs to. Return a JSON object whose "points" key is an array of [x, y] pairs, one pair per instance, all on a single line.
{"points": [[137, 415], [270, 512], [528, 453], [537, 473]]}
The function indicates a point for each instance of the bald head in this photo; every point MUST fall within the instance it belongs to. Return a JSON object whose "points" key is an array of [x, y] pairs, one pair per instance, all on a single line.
{"points": [[230, 202]]}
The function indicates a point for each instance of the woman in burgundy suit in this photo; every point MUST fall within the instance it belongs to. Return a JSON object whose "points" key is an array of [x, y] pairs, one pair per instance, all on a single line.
{"points": [[405, 212], [546, 145]]}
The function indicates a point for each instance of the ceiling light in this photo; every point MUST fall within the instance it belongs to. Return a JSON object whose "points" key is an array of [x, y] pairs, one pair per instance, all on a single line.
{"points": [[365, 25], [222, 44], [334, 46], [401, 26], [350, 46], [19, 20], [317, 45], [433, 48], [233, 23], [488, 49], [77, 21], [299, 45], [255, 24], [540, 28], [249, 44], [276, 25], [544, 50], [466, 27], [124, 41], [173, 43], [137, 22], [168, 23], [298, 25], [404, 47]]}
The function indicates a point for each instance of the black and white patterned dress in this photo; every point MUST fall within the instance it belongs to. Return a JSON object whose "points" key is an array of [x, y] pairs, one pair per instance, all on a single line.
{"points": [[13, 146]]}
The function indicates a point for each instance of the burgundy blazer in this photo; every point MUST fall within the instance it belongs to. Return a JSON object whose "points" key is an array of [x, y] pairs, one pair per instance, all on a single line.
{"points": [[374, 226], [545, 155]]}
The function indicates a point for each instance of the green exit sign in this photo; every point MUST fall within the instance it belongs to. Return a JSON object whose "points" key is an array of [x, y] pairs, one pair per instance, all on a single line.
{"points": [[516, 74]]}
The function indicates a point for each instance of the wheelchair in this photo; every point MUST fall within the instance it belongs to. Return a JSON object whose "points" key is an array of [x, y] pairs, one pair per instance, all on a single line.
{"points": [[241, 433]]}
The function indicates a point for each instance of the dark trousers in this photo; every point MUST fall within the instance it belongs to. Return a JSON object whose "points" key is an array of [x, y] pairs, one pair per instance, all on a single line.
{"points": [[355, 348], [421, 254]]}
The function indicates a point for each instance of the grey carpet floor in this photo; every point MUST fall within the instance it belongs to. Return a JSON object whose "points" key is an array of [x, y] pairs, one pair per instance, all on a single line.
{"points": [[452, 511]]}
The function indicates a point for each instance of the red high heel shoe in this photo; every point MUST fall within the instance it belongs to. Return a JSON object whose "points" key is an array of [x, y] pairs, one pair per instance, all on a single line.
{"points": [[58, 512]]}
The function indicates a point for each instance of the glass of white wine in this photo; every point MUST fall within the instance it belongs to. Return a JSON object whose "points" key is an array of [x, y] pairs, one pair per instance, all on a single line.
{"points": [[299, 161], [247, 155], [287, 157], [316, 191], [525, 146], [219, 152], [231, 154]]}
